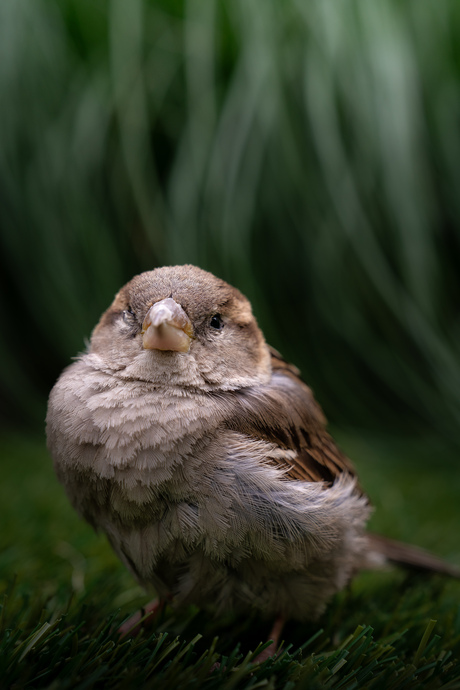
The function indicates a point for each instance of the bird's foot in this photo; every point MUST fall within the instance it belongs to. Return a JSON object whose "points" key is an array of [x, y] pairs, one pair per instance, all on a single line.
{"points": [[274, 636], [142, 618]]}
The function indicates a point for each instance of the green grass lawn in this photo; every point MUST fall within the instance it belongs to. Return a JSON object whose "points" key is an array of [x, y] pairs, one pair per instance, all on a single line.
{"points": [[65, 593]]}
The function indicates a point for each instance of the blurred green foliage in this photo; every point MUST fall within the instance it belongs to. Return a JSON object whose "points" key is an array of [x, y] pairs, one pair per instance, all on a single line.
{"points": [[308, 152]]}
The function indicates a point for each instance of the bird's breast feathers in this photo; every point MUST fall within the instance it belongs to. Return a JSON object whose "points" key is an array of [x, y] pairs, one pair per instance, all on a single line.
{"points": [[168, 475]]}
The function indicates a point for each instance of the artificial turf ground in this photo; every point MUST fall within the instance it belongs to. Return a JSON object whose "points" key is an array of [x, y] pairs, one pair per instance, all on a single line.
{"points": [[65, 593]]}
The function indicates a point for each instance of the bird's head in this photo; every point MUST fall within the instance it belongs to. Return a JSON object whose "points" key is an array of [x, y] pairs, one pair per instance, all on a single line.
{"points": [[180, 325]]}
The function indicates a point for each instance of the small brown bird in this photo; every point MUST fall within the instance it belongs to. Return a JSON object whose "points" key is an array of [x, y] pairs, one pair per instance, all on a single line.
{"points": [[205, 459]]}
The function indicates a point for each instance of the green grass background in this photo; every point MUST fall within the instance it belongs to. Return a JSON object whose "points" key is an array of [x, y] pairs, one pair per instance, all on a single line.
{"points": [[65, 593], [308, 151]]}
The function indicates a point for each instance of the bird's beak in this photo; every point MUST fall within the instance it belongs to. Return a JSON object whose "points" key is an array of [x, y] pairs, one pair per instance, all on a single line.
{"points": [[167, 327]]}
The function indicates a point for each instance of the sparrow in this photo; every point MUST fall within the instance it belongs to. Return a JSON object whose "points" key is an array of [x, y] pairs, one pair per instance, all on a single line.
{"points": [[205, 459]]}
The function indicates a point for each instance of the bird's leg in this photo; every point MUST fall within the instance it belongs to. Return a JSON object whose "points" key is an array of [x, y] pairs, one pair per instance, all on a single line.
{"points": [[141, 618], [274, 636], [271, 649]]}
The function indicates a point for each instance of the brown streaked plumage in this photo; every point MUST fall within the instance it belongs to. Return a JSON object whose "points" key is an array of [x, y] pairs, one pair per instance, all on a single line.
{"points": [[290, 417], [205, 458]]}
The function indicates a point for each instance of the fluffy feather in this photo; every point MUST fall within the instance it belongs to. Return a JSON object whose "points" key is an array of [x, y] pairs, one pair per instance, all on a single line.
{"points": [[210, 471]]}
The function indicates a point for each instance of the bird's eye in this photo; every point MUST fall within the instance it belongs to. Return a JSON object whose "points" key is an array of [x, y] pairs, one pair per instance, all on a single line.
{"points": [[128, 315], [216, 322]]}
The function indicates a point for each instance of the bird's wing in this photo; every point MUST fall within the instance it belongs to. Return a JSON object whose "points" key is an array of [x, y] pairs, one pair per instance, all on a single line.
{"points": [[284, 412]]}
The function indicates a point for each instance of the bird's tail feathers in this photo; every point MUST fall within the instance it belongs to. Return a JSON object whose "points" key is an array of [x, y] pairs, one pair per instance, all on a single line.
{"points": [[411, 557]]}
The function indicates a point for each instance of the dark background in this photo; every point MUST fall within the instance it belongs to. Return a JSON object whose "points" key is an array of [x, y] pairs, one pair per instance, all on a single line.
{"points": [[307, 152]]}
